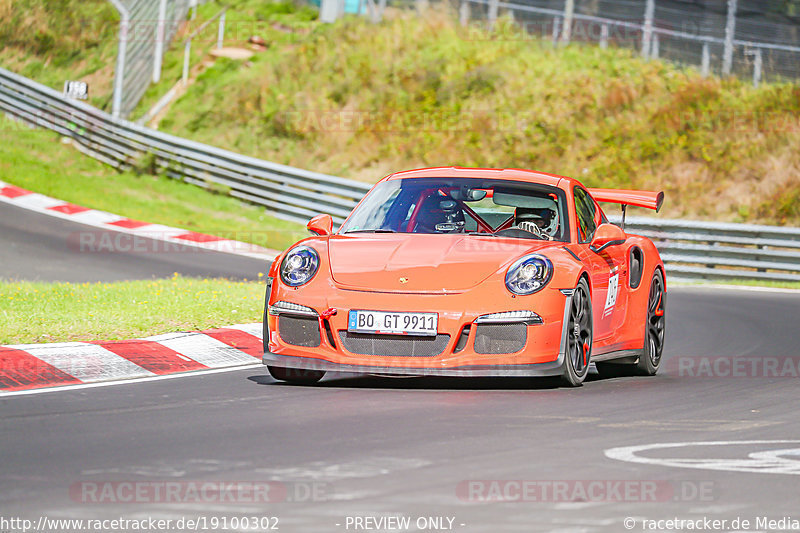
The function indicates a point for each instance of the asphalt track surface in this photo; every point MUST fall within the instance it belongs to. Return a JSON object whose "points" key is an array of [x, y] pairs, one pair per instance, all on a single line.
{"points": [[380, 447], [38, 247]]}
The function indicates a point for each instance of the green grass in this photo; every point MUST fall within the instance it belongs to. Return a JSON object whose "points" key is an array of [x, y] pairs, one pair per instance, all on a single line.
{"points": [[60, 312], [37, 160], [52, 41]]}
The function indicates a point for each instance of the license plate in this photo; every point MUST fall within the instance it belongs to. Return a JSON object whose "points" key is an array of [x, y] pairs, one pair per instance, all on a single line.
{"points": [[393, 323]]}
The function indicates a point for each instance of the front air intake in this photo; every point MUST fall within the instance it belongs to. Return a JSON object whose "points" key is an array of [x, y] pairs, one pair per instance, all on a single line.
{"points": [[299, 330], [495, 339], [394, 345]]}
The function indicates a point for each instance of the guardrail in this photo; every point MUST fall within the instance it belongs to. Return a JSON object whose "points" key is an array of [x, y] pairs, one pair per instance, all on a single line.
{"points": [[288, 192], [713, 250], [690, 249]]}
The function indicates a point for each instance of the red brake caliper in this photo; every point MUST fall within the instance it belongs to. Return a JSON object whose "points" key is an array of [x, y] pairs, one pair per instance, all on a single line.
{"points": [[659, 311]]}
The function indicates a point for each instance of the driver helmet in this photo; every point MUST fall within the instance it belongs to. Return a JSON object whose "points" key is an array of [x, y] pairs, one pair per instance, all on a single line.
{"points": [[545, 217]]}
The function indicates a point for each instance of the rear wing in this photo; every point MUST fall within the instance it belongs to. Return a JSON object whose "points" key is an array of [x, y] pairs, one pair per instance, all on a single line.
{"points": [[648, 199]]}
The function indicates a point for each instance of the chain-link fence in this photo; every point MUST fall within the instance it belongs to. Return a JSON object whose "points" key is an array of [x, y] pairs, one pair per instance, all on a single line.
{"points": [[756, 39], [146, 29]]}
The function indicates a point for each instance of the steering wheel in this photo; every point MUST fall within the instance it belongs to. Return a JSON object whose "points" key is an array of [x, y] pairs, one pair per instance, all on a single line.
{"points": [[531, 227]]}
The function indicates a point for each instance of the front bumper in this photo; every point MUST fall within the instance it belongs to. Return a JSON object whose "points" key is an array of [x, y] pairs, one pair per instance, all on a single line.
{"points": [[543, 353], [553, 368]]}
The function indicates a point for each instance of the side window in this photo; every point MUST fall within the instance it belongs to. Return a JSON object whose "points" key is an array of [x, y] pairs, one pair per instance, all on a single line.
{"points": [[587, 216]]}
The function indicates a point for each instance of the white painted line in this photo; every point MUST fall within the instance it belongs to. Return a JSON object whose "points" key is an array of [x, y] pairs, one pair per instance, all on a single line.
{"points": [[101, 219], [95, 218], [38, 202], [760, 461], [65, 388], [203, 349], [87, 362]]}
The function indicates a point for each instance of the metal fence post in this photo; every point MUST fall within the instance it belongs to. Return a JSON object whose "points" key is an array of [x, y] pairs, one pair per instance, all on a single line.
{"points": [[221, 32], [757, 64], [119, 73], [569, 12], [647, 31], [372, 10], [463, 13], [493, 8], [187, 52], [556, 30], [706, 60], [604, 36], [158, 54], [328, 11], [730, 29], [654, 51]]}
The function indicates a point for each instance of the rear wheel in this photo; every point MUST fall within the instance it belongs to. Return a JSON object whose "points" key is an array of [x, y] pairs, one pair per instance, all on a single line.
{"points": [[297, 376], [579, 336], [650, 360], [656, 320]]}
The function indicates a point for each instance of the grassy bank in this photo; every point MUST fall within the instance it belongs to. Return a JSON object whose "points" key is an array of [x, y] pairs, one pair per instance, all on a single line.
{"points": [[60, 312], [361, 100], [37, 160], [53, 41]]}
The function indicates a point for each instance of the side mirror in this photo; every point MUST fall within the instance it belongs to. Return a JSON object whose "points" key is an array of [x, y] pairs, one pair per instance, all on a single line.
{"points": [[607, 235], [320, 225]]}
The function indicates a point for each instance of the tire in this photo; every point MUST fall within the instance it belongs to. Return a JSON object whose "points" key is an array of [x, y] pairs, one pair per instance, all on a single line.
{"points": [[654, 334], [579, 336], [296, 376], [650, 360]]}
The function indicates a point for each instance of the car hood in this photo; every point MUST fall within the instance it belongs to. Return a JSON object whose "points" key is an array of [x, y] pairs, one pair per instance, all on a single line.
{"points": [[421, 263]]}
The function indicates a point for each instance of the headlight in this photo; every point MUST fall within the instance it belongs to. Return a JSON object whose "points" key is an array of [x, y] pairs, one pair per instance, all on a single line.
{"points": [[529, 274], [299, 266]]}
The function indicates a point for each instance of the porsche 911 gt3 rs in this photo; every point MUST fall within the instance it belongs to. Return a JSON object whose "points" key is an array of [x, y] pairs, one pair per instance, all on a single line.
{"points": [[469, 272]]}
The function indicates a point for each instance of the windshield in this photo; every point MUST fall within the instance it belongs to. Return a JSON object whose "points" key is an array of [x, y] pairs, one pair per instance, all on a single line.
{"points": [[462, 205]]}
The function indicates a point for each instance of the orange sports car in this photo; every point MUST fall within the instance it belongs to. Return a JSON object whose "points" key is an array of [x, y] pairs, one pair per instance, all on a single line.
{"points": [[469, 272]]}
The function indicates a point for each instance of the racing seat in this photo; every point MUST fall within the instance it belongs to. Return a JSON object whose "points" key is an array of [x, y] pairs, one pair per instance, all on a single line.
{"points": [[439, 214]]}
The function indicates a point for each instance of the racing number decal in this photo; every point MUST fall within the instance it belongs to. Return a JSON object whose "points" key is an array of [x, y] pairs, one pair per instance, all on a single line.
{"points": [[613, 288]]}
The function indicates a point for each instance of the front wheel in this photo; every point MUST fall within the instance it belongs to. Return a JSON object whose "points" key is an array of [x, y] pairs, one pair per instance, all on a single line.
{"points": [[297, 376], [579, 336]]}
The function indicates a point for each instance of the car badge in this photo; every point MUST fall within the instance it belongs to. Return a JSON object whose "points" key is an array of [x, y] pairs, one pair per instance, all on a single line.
{"points": [[403, 280]]}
